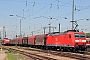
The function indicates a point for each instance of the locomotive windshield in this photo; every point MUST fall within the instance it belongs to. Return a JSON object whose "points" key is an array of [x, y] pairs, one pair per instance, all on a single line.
{"points": [[79, 35]]}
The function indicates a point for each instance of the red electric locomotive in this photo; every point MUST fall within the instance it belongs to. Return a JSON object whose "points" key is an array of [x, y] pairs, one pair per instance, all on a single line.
{"points": [[68, 40], [6, 41]]}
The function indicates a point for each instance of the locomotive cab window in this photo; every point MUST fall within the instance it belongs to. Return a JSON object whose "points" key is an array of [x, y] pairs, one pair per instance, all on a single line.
{"points": [[76, 35], [82, 36], [79, 35]]}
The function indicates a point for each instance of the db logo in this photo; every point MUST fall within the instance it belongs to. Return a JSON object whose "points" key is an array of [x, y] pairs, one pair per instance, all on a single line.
{"points": [[80, 40], [56, 39]]}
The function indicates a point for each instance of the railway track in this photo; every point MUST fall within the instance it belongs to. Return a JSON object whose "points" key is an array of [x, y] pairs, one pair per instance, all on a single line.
{"points": [[28, 54], [63, 54]]}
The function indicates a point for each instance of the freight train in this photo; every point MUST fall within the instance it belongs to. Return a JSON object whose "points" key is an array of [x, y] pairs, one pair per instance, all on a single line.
{"points": [[71, 40]]}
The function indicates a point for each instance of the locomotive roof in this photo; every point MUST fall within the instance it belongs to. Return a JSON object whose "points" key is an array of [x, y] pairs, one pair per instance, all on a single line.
{"points": [[72, 31], [65, 31], [54, 32]]}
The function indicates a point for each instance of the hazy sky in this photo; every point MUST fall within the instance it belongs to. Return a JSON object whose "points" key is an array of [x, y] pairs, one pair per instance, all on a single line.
{"points": [[40, 13]]}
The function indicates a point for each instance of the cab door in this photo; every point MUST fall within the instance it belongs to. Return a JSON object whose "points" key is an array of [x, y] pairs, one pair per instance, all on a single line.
{"points": [[69, 40]]}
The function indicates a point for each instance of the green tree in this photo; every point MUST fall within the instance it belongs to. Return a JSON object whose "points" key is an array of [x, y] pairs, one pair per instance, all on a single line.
{"points": [[87, 35]]}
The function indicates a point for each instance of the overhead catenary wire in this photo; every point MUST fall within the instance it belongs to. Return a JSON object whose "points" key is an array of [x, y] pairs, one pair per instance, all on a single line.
{"points": [[51, 7], [55, 8]]}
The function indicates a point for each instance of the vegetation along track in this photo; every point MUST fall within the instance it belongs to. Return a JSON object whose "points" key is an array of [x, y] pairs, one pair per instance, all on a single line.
{"points": [[31, 55]]}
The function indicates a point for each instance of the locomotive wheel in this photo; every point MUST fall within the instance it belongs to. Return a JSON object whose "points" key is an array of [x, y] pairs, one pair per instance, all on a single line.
{"points": [[88, 49], [61, 50], [74, 50]]}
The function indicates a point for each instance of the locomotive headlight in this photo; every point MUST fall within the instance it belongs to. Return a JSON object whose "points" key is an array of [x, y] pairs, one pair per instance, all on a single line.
{"points": [[7, 40], [76, 40], [80, 40], [83, 40]]}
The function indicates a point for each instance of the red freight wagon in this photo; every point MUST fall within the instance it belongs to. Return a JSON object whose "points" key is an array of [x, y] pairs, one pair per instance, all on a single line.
{"points": [[14, 41], [6, 41], [25, 40], [31, 40], [40, 39], [11, 42], [19, 41]]}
